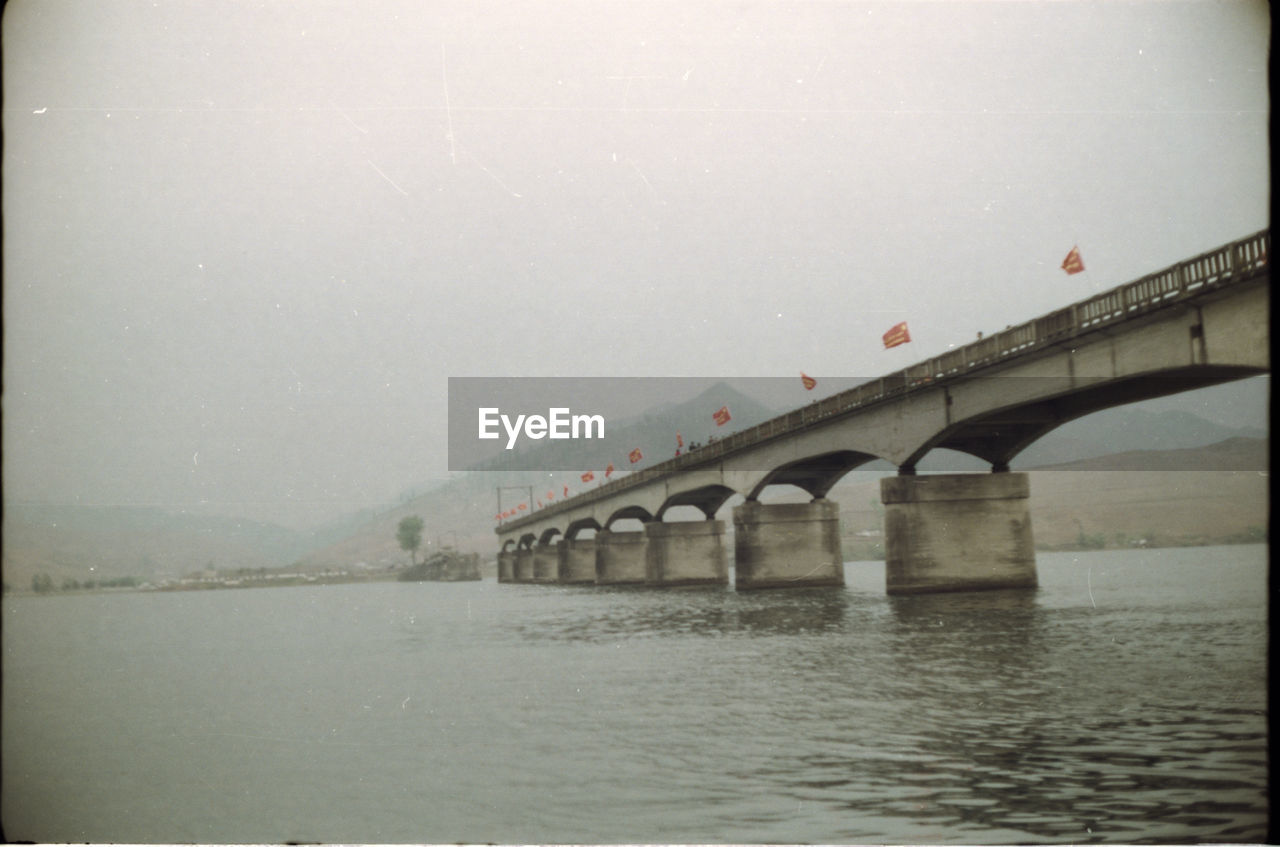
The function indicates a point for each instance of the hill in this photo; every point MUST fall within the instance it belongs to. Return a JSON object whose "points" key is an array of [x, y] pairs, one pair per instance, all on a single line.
{"points": [[1184, 496], [1126, 429], [1215, 494], [109, 542], [1232, 454], [461, 511], [1185, 477]]}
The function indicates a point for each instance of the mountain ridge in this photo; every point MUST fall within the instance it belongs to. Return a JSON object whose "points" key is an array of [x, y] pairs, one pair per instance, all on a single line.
{"points": [[148, 541]]}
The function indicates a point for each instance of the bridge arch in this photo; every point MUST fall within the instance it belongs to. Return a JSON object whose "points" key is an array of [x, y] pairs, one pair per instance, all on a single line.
{"points": [[707, 499], [548, 536], [572, 530], [508, 545], [637, 512], [527, 541], [998, 436], [815, 475]]}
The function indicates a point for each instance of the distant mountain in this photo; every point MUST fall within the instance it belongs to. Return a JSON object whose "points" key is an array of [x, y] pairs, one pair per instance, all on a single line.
{"points": [[88, 542], [463, 508], [461, 511], [1125, 429], [1195, 495], [68, 541], [1233, 454], [1199, 495]]}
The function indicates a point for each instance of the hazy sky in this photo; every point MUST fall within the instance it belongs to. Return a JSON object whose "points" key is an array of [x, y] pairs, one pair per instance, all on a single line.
{"points": [[246, 243]]}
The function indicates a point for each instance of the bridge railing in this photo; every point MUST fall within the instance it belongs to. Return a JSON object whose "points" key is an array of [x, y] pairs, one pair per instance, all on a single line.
{"points": [[1251, 253], [1238, 260]]}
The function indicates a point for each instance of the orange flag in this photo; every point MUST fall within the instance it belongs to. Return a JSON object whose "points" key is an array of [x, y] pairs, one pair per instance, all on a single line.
{"points": [[588, 476], [722, 416], [635, 455], [522, 506], [809, 382], [1073, 264], [897, 335], [679, 440], [608, 471]]}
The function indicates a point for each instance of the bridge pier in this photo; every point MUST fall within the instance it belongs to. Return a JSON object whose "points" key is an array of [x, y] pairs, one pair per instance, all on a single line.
{"points": [[787, 545], [957, 532], [685, 553], [546, 563], [507, 566], [620, 557], [524, 565], [577, 560]]}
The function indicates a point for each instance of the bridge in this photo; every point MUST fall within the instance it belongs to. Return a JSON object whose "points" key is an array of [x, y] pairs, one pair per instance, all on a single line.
{"points": [[1200, 322]]}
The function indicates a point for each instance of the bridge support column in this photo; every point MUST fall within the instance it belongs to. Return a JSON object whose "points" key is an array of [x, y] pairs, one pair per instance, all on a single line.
{"points": [[507, 566], [957, 532], [577, 560], [787, 545], [524, 565], [620, 557], [686, 553], [546, 563]]}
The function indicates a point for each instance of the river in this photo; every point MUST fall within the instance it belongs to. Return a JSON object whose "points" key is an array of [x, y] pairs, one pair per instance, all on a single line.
{"points": [[1123, 701]]}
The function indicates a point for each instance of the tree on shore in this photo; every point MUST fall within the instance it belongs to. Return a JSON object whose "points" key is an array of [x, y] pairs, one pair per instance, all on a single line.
{"points": [[409, 534]]}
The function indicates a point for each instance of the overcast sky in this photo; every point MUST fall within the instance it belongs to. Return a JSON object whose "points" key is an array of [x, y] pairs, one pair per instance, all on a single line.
{"points": [[246, 243]]}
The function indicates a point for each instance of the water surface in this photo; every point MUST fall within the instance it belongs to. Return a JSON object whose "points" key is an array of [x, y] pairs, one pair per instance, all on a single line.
{"points": [[1123, 701]]}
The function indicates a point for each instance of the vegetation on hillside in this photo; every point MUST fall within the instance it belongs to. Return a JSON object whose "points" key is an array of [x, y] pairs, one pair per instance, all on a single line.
{"points": [[409, 536]]}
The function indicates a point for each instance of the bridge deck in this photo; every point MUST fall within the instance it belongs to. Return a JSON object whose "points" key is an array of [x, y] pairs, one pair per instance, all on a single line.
{"points": [[1194, 278]]}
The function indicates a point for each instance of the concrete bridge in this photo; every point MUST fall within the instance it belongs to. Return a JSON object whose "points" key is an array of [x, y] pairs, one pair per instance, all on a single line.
{"points": [[1200, 322]]}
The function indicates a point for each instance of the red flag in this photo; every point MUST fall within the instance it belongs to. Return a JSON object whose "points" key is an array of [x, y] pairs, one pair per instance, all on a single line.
{"points": [[635, 455], [522, 506], [722, 416], [897, 335], [566, 491], [1073, 264], [809, 382], [608, 471], [679, 440], [539, 504], [588, 476], [497, 517], [551, 495]]}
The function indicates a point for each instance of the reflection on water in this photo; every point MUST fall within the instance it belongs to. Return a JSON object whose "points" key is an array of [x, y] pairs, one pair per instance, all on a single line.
{"points": [[1124, 701], [641, 612]]}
